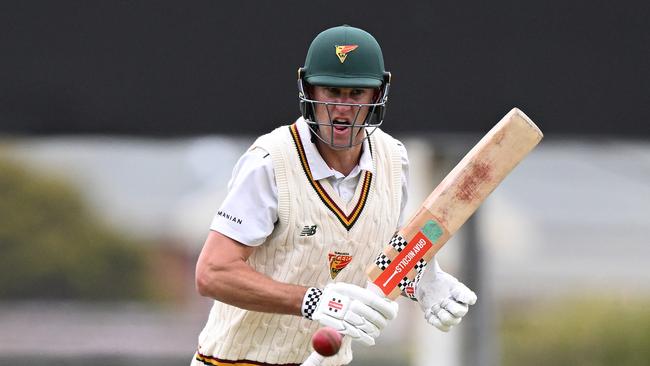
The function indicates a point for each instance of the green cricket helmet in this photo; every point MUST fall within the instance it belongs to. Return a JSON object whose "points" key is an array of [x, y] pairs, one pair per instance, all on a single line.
{"points": [[344, 57]]}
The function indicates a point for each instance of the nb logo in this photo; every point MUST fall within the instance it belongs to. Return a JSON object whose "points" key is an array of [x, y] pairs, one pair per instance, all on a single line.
{"points": [[308, 230]]}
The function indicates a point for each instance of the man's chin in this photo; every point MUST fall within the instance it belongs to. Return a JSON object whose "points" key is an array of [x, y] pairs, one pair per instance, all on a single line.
{"points": [[341, 139]]}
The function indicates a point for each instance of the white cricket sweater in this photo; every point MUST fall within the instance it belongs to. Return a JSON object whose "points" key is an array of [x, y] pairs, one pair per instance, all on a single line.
{"points": [[316, 233]]}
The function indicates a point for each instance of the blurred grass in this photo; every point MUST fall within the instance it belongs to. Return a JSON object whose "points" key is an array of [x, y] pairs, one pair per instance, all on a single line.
{"points": [[53, 247], [578, 332]]}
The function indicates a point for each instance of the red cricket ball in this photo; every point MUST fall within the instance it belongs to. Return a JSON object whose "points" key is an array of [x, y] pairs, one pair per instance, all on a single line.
{"points": [[326, 341]]}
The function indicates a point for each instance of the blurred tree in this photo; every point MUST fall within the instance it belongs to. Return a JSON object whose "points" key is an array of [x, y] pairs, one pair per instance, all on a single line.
{"points": [[584, 332], [51, 247]]}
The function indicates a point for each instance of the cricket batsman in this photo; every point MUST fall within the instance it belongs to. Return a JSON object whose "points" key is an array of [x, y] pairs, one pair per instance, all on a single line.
{"points": [[309, 206]]}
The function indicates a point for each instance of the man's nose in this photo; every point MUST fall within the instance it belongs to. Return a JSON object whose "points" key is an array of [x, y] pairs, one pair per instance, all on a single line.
{"points": [[346, 103], [342, 107]]}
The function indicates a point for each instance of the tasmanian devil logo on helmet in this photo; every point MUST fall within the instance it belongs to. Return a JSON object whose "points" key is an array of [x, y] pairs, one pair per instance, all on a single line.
{"points": [[342, 51]]}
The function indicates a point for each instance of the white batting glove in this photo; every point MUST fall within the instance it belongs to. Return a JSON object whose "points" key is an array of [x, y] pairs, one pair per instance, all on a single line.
{"points": [[351, 310], [443, 299]]}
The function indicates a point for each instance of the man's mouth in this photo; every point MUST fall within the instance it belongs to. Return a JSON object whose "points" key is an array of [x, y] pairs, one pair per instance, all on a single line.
{"points": [[341, 125]]}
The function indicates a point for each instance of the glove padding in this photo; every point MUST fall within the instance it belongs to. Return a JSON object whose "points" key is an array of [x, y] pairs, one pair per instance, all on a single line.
{"points": [[354, 311], [443, 299]]}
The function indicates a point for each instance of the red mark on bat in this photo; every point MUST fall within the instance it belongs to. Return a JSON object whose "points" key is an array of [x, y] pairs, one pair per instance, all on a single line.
{"points": [[479, 173], [499, 137]]}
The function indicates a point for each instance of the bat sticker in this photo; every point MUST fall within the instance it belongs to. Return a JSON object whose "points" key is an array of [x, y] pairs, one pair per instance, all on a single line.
{"points": [[409, 257], [432, 231]]}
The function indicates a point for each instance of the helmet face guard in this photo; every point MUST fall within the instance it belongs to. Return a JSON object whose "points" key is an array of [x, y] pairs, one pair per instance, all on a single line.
{"points": [[373, 119], [344, 57]]}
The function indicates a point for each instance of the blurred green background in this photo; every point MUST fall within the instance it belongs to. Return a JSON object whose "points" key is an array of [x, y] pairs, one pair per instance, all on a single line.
{"points": [[55, 248], [584, 331], [99, 237]]}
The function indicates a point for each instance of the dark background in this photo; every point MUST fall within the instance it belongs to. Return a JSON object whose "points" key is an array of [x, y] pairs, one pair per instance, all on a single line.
{"points": [[171, 68]]}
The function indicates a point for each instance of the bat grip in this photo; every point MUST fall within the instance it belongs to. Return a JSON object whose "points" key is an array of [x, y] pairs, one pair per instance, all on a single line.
{"points": [[375, 289]]}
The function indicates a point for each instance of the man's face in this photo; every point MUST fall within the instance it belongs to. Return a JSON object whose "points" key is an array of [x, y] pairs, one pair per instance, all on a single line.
{"points": [[342, 116]]}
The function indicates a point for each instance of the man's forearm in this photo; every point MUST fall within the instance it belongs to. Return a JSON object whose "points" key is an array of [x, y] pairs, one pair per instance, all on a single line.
{"points": [[240, 285]]}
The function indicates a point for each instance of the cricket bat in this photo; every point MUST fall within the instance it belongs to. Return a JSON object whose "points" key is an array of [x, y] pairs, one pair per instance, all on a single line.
{"points": [[450, 204]]}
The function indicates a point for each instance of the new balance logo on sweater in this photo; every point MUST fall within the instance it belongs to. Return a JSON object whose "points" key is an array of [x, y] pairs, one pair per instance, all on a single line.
{"points": [[308, 230]]}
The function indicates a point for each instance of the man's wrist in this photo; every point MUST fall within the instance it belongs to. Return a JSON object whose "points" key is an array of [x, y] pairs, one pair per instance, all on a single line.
{"points": [[310, 302]]}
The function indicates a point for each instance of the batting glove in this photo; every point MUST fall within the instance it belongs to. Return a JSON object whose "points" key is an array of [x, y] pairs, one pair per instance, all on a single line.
{"points": [[351, 310], [443, 299]]}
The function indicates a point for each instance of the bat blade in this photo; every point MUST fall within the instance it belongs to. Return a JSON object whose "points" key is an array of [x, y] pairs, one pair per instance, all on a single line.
{"points": [[450, 204], [453, 201]]}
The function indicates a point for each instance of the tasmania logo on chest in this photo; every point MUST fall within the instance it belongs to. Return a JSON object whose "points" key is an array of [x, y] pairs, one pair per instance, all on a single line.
{"points": [[337, 262]]}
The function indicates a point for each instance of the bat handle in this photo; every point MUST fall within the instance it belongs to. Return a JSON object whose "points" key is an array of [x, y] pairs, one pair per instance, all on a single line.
{"points": [[314, 360], [375, 289]]}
